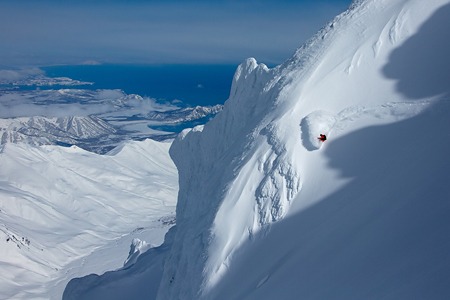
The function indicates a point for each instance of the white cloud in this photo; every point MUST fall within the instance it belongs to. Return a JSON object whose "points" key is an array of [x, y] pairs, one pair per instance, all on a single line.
{"points": [[75, 102], [27, 104]]}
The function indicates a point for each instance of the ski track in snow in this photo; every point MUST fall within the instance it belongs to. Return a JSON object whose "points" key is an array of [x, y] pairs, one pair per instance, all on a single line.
{"points": [[319, 122]]}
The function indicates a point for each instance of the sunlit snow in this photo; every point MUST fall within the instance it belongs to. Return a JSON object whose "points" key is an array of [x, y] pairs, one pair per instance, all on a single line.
{"points": [[266, 212], [264, 209], [66, 212]]}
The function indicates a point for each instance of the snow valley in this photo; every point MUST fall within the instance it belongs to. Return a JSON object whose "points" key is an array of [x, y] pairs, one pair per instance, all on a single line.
{"points": [[264, 210], [62, 204], [64, 211]]}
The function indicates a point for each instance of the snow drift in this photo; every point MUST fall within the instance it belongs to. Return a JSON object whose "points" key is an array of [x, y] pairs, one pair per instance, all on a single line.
{"points": [[263, 212]]}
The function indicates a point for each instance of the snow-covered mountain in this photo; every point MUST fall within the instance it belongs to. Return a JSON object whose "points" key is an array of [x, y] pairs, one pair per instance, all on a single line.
{"points": [[95, 120], [66, 212], [71, 130], [185, 114], [266, 211]]}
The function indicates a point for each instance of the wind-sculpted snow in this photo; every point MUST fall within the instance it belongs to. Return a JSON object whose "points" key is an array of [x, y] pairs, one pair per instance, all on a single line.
{"points": [[236, 166], [265, 211], [245, 169]]}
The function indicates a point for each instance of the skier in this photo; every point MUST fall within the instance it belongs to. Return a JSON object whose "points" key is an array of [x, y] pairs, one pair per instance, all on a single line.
{"points": [[322, 137]]}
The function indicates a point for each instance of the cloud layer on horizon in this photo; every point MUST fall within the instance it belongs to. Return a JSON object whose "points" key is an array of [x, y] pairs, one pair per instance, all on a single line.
{"points": [[75, 102]]}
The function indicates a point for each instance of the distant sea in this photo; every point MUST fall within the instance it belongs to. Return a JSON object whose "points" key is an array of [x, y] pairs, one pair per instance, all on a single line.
{"points": [[191, 84]]}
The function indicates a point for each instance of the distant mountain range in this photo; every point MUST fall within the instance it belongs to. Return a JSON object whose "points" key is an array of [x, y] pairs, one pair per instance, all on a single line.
{"points": [[89, 131], [185, 114], [100, 132]]}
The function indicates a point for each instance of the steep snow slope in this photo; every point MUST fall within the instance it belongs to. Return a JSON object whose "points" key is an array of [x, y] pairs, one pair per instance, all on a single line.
{"points": [[265, 211], [246, 168], [61, 207]]}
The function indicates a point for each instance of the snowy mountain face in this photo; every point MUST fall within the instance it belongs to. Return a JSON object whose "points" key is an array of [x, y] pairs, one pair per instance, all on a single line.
{"points": [[262, 156], [66, 212], [265, 210]]}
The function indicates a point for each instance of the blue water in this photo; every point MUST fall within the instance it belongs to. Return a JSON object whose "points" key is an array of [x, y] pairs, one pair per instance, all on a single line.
{"points": [[192, 84]]}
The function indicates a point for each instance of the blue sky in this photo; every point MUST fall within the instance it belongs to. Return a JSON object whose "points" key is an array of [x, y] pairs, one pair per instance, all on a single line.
{"points": [[135, 31]]}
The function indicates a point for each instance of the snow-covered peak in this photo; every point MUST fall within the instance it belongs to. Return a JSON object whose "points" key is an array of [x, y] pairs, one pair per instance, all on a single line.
{"points": [[267, 211], [248, 166]]}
